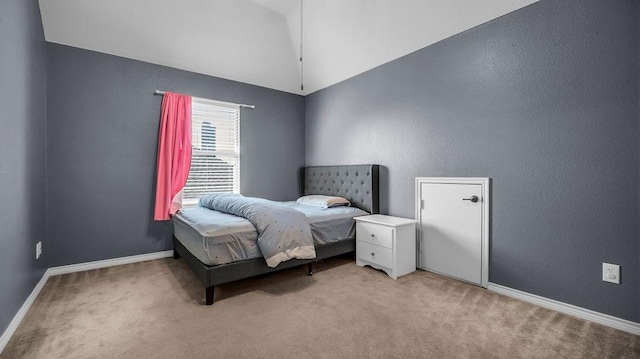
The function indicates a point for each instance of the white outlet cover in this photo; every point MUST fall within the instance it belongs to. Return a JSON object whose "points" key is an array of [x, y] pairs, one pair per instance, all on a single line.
{"points": [[38, 250], [611, 273]]}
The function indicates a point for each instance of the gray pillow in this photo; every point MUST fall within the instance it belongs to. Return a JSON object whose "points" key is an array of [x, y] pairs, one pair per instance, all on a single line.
{"points": [[323, 201]]}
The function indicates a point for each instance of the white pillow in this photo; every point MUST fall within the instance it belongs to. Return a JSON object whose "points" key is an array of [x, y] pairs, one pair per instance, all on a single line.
{"points": [[322, 201]]}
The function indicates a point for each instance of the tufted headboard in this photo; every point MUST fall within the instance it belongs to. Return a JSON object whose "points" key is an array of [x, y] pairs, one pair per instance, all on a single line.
{"points": [[359, 184]]}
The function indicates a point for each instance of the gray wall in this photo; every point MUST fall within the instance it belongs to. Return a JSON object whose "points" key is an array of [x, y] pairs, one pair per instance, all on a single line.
{"points": [[22, 153], [102, 136], [545, 102]]}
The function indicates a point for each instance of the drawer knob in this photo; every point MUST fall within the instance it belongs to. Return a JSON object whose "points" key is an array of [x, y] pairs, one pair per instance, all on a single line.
{"points": [[372, 235], [373, 254]]}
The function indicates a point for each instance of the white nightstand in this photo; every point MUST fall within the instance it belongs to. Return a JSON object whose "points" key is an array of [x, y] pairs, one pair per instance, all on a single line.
{"points": [[387, 243]]}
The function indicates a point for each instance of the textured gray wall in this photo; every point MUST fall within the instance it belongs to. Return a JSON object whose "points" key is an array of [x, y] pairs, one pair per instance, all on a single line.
{"points": [[545, 102], [22, 153], [102, 136]]}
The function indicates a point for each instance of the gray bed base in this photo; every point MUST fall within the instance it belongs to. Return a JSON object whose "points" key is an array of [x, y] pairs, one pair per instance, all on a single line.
{"points": [[360, 184]]}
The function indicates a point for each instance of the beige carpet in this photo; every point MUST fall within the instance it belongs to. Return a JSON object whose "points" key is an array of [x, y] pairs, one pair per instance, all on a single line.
{"points": [[155, 310]]}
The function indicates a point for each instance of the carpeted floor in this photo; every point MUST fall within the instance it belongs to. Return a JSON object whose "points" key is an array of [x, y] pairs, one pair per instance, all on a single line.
{"points": [[155, 310]]}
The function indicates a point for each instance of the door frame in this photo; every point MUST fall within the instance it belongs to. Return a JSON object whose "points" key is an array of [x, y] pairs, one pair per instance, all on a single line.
{"points": [[484, 182]]}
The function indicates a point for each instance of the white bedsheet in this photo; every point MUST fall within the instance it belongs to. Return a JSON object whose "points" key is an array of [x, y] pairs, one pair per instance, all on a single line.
{"points": [[219, 238]]}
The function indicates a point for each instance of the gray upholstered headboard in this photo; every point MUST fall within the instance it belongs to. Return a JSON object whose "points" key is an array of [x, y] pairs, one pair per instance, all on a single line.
{"points": [[360, 184]]}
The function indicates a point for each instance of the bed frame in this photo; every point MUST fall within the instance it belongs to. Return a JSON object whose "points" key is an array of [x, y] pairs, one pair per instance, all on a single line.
{"points": [[360, 184]]}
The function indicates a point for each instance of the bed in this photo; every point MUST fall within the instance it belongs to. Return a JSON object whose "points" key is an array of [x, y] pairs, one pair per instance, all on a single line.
{"points": [[229, 256]]}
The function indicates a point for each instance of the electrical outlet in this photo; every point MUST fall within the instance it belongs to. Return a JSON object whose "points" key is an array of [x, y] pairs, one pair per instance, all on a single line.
{"points": [[38, 249], [611, 273]]}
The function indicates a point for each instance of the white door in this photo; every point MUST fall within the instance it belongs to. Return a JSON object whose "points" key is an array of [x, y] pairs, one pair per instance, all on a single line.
{"points": [[451, 230]]}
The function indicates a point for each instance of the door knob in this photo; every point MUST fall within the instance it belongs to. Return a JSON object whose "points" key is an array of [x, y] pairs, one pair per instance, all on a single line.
{"points": [[473, 199]]}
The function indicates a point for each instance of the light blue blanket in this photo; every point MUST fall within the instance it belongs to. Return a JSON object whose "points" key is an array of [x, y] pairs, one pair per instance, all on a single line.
{"points": [[283, 232]]}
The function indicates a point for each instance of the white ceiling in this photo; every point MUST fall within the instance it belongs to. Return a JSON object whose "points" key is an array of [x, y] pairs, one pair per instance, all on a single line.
{"points": [[258, 41]]}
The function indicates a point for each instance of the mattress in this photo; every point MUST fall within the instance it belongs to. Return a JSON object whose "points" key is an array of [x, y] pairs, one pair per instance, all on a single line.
{"points": [[219, 238]]}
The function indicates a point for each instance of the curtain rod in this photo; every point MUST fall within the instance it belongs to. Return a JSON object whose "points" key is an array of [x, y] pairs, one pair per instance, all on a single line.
{"points": [[158, 92]]}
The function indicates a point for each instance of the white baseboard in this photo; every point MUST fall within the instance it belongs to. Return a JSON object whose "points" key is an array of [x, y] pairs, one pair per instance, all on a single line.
{"points": [[81, 267], [596, 317], [17, 319]]}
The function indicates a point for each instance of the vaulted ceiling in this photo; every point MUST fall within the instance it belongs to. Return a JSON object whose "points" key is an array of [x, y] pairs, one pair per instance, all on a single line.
{"points": [[258, 41]]}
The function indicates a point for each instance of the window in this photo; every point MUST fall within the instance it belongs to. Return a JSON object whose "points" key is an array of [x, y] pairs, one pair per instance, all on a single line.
{"points": [[215, 160]]}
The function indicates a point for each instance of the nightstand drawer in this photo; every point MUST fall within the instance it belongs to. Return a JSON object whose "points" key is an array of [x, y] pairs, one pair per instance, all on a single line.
{"points": [[375, 234], [374, 254]]}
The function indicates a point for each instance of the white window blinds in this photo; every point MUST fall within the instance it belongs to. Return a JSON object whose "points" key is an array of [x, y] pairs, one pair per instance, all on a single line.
{"points": [[215, 160]]}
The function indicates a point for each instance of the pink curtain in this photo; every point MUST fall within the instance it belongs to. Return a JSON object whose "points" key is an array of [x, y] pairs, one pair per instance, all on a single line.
{"points": [[174, 154]]}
